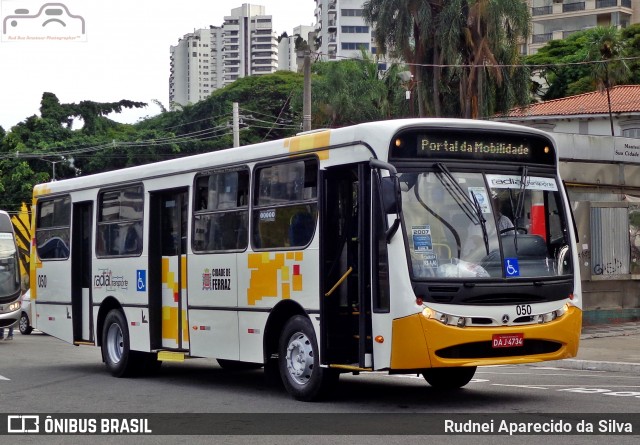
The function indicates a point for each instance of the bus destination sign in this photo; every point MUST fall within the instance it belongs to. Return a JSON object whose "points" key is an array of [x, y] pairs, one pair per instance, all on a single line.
{"points": [[473, 145], [429, 146]]}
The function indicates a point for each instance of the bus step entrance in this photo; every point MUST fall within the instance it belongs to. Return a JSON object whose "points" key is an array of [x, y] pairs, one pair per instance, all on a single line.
{"points": [[171, 356]]}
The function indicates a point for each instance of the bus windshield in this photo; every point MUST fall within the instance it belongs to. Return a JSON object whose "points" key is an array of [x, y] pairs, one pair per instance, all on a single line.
{"points": [[9, 276], [483, 226]]}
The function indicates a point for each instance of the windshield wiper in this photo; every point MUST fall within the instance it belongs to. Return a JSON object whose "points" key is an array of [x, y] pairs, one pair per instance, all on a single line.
{"points": [[470, 207], [518, 214]]}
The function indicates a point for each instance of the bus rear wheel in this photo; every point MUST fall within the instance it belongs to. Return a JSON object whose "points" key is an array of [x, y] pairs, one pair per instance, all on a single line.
{"points": [[449, 378], [115, 345], [299, 361]]}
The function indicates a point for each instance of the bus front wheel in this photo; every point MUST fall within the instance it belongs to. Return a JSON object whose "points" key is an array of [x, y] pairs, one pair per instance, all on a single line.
{"points": [[115, 345], [449, 378], [299, 361]]}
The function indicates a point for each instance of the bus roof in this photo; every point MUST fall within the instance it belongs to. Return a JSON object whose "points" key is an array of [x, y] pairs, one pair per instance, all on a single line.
{"points": [[375, 134]]}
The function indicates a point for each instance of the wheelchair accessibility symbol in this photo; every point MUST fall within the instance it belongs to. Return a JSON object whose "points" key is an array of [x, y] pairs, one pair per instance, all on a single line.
{"points": [[141, 280], [511, 266]]}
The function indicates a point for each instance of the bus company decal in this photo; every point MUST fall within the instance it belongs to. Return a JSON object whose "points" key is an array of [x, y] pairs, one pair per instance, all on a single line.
{"points": [[216, 279], [309, 142], [105, 279], [269, 269]]}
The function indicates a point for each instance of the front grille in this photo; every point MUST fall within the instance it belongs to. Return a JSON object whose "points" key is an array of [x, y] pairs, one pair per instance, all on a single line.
{"points": [[484, 349]]}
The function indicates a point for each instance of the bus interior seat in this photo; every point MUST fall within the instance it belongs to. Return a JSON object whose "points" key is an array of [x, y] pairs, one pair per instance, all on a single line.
{"points": [[301, 229]]}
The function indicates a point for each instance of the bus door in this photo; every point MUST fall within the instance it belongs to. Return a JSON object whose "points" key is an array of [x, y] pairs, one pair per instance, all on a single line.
{"points": [[81, 297], [168, 270], [345, 291]]}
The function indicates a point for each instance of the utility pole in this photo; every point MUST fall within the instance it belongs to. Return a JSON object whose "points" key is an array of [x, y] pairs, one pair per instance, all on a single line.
{"points": [[306, 96], [236, 125]]}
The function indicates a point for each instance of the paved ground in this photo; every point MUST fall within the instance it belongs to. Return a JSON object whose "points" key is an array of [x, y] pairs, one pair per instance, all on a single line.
{"points": [[607, 348]]}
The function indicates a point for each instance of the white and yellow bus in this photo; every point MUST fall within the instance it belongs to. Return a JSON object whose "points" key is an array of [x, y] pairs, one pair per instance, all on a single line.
{"points": [[426, 246]]}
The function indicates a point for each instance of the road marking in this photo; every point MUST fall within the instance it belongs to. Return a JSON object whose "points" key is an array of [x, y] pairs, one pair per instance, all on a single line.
{"points": [[3, 378], [520, 386]]}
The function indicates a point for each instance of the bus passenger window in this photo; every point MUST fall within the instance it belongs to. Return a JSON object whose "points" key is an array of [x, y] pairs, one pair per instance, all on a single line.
{"points": [[285, 205], [221, 213], [119, 230], [52, 228]]}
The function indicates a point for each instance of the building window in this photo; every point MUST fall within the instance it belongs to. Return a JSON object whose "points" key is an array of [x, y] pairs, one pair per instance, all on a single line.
{"points": [[355, 29], [355, 46], [351, 12], [631, 133], [52, 228], [120, 215], [583, 127]]}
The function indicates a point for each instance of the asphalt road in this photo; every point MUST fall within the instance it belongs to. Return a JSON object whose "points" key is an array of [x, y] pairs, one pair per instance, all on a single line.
{"points": [[40, 374]]}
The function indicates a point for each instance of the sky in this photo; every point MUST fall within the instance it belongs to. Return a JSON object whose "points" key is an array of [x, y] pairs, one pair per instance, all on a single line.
{"points": [[122, 54]]}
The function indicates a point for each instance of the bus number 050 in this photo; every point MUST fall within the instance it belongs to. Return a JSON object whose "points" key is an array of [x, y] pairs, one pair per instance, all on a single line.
{"points": [[523, 309]]}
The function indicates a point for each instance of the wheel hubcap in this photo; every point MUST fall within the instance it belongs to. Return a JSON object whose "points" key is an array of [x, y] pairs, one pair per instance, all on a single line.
{"points": [[300, 358], [24, 324], [115, 344]]}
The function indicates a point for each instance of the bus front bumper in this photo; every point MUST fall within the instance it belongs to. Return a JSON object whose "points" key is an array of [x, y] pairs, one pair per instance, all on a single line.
{"points": [[9, 315], [420, 343]]}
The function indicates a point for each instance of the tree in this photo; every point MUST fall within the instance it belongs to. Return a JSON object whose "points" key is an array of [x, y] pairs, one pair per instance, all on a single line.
{"points": [[404, 29], [490, 54], [457, 50], [585, 61], [352, 91], [606, 48]]}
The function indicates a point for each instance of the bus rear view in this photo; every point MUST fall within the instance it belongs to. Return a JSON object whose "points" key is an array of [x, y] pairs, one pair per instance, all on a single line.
{"points": [[9, 274]]}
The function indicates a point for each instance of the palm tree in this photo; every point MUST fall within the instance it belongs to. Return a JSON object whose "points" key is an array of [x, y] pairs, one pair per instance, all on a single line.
{"points": [[490, 51], [605, 46], [465, 48], [403, 30]]}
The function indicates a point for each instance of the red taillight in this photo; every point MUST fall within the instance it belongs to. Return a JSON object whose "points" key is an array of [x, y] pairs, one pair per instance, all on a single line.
{"points": [[419, 301]]}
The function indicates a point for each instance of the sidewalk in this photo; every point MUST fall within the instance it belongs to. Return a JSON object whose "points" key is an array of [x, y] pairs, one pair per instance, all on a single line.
{"points": [[606, 348]]}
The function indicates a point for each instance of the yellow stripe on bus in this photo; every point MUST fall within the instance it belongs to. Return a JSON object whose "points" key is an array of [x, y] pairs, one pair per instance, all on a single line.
{"points": [[309, 142]]}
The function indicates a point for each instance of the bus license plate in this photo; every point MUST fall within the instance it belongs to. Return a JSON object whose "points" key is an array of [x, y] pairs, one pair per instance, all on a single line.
{"points": [[507, 340]]}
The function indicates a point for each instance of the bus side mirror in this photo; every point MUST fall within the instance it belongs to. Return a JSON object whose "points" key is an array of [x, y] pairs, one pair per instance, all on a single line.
{"points": [[391, 198]]}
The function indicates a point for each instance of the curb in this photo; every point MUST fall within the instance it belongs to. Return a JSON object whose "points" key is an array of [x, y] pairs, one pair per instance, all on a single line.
{"points": [[591, 365]]}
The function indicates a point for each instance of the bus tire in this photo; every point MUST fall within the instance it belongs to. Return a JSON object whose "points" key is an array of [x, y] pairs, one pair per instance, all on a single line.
{"points": [[449, 378], [115, 345], [299, 361], [236, 365]]}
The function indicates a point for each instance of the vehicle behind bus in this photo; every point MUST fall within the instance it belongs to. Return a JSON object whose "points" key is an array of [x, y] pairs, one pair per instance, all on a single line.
{"points": [[9, 273]]}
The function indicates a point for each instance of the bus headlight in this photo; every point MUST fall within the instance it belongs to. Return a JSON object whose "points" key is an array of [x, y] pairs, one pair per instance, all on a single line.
{"points": [[14, 306], [447, 319]]}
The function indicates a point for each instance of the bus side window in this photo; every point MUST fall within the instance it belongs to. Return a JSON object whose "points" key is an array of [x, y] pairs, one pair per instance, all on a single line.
{"points": [[120, 214], [285, 204], [52, 228], [221, 211]]}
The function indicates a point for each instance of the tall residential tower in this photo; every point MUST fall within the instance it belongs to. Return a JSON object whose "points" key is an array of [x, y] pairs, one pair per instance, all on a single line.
{"points": [[208, 59]]}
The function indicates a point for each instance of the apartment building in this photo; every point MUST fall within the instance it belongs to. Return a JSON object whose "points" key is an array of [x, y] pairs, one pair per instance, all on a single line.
{"points": [[557, 19], [288, 57], [341, 29], [196, 66], [208, 59], [250, 45]]}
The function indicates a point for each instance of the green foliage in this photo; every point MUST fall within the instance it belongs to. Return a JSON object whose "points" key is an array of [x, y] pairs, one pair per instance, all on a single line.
{"points": [[564, 64], [347, 92], [464, 54], [40, 145]]}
